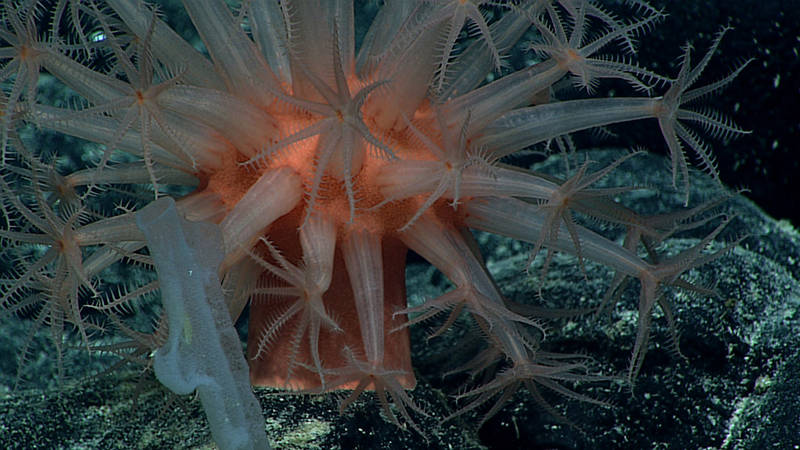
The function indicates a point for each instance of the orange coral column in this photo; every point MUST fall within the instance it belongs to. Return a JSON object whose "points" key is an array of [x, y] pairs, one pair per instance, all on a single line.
{"points": [[272, 368]]}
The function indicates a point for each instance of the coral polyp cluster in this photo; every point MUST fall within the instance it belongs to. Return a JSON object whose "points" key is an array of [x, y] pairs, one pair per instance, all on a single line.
{"points": [[324, 153]]}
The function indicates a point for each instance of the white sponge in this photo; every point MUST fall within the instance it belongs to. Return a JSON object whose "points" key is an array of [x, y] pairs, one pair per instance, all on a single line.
{"points": [[203, 351]]}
